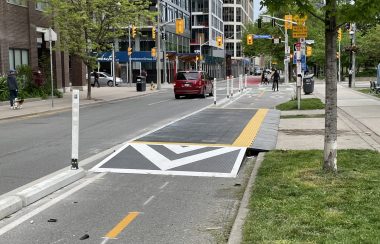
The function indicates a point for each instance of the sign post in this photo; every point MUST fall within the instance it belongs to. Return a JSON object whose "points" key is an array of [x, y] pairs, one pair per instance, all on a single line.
{"points": [[75, 130]]}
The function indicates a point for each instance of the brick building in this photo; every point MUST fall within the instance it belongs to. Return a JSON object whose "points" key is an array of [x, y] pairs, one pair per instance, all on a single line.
{"points": [[22, 26]]}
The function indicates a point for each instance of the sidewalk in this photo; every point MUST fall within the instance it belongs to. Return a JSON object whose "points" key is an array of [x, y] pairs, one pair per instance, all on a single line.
{"points": [[358, 122], [103, 94]]}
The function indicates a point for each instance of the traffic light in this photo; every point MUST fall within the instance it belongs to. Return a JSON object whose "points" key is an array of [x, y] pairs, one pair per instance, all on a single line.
{"points": [[339, 34], [259, 20], [153, 33], [249, 39], [129, 51], [179, 26], [219, 41], [309, 51], [153, 52], [134, 31], [288, 25], [337, 55], [163, 35], [196, 58]]}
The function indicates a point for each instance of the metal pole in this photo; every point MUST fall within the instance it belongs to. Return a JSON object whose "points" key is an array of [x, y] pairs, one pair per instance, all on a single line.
{"points": [[164, 57], [51, 68], [353, 55], [339, 63], [113, 65], [130, 77], [299, 76], [286, 57], [214, 91], [240, 81], [158, 40], [351, 66], [200, 53]]}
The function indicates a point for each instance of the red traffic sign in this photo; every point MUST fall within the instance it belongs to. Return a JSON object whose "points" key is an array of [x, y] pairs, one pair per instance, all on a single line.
{"points": [[297, 46]]}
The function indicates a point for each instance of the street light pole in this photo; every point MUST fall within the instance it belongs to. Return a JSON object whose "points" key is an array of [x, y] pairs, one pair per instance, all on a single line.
{"points": [[158, 43], [286, 60], [353, 55]]}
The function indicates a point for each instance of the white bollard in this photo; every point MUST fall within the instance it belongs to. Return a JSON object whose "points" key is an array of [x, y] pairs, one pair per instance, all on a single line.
{"points": [[214, 91], [240, 82], [228, 88], [246, 78], [232, 86], [75, 130]]}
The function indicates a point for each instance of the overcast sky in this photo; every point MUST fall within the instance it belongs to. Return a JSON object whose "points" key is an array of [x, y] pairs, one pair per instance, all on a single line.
{"points": [[256, 7]]}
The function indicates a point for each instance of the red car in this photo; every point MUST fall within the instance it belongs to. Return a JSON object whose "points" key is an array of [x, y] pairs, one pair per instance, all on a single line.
{"points": [[192, 83]]}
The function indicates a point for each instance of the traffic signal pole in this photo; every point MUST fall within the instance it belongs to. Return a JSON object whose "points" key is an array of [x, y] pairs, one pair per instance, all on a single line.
{"points": [[158, 44], [129, 58]]}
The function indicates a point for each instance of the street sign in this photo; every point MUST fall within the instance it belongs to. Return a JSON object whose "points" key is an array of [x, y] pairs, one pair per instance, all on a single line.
{"points": [[300, 20], [262, 36], [299, 31]]}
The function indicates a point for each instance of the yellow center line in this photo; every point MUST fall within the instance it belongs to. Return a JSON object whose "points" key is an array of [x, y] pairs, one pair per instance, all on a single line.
{"points": [[122, 225], [250, 131]]}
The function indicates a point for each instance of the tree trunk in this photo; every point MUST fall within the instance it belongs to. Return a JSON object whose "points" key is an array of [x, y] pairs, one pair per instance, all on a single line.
{"points": [[88, 68], [330, 143]]}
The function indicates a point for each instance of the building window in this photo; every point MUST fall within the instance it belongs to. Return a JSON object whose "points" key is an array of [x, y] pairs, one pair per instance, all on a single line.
{"points": [[230, 49], [18, 2], [238, 50], [18, 57], [228, 14], [41, 5], [238, 14], [229, 31], [238, 32]]}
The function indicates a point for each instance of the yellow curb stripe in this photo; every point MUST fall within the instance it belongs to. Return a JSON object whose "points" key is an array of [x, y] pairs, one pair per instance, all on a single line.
{"points": [[181, 143], [250, 131], [122, 225]]}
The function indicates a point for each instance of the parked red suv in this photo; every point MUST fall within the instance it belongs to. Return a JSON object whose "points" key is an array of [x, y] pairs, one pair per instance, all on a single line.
{"points": [[192, 83]]}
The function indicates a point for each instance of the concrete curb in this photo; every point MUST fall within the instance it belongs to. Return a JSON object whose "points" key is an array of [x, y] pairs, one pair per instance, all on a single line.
{"points": [[236, 235], [9, 205], [48, 186], [15, 200]]}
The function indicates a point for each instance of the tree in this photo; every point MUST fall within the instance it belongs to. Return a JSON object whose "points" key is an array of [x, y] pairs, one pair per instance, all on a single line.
{"points": [[333, 14], [87, 26]]}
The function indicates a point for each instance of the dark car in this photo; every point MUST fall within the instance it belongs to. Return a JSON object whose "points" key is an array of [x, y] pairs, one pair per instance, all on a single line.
{"points": [[192, 83]]}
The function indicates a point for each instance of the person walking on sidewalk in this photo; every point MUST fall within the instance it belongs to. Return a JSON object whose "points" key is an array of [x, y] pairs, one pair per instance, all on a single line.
{"points": [[276, 78], [12, 87], [96, 79]]}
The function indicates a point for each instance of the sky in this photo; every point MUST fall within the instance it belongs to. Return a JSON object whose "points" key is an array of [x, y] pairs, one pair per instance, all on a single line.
{"points": [[256, 7]]}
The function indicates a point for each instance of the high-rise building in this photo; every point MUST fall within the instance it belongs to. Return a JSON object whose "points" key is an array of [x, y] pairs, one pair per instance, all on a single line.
{"points": [[207, 26], [236, 14]]}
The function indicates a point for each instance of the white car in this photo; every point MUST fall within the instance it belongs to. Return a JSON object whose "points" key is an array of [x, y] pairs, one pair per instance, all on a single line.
{"points": [[106, 79]]}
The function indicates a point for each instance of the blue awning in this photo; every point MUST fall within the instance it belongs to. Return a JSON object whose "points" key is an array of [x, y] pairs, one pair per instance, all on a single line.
{"points": [[122, 57]]}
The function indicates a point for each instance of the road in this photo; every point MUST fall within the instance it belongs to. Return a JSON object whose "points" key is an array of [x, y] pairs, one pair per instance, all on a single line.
{"points": [[126, 208]]}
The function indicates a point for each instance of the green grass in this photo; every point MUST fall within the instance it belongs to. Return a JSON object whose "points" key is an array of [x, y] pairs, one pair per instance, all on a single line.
{"points": [[306, 104], [368, 91], [301, 116], [293, 201]]}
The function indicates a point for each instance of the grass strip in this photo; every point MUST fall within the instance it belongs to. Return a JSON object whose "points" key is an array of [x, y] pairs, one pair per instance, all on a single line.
{"points": [[293, 201], [306, 104], [369, 92]]}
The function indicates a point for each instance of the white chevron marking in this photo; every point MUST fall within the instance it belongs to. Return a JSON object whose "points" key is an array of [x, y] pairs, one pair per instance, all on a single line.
{"points": [[164, 163]]}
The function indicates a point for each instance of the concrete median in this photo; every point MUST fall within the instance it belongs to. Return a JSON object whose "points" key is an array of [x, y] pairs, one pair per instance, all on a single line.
{"points": [[9, 205]]}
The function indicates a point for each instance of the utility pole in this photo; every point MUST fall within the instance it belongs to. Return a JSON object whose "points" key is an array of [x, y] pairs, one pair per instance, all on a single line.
{"points": [[158, 43], [353, 54], [286, 60], [164, 51]]}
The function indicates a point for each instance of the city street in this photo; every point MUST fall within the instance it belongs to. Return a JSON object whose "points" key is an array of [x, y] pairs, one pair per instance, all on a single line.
{"points": [[123, 208]]}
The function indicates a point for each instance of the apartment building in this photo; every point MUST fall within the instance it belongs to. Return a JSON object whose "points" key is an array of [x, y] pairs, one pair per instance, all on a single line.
{"points": [[22, 27], [236, 13], [207, 25]]}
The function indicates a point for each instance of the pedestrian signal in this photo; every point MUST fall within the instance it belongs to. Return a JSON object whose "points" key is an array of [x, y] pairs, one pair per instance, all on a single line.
{"points": [[250, 39]]}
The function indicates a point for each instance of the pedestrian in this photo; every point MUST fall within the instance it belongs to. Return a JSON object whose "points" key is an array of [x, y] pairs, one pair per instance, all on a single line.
{"points": [[144, 73], [263, 78], [12, 87], [96, 79], [276, 78]]}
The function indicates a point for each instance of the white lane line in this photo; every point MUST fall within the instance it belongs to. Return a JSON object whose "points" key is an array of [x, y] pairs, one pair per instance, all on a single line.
{"points": [[38, 210], [150, 104], [164, 185], [149, 199]]}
